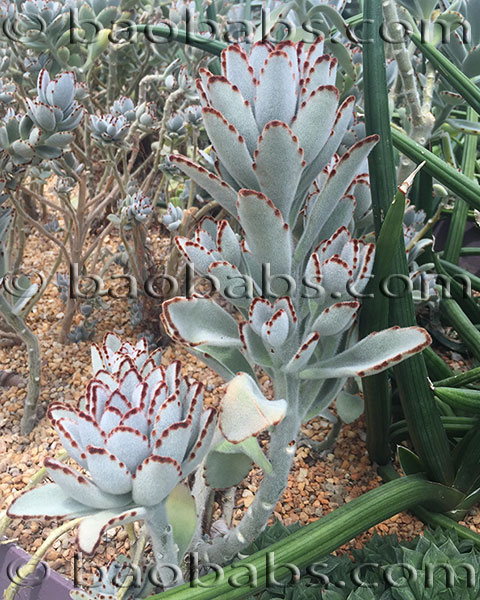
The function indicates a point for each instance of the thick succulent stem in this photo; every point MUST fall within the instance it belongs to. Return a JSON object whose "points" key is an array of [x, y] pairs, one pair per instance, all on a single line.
{"points": [[201, 493], [281, 455], [70, 311], [422, 118], [34, 364], [165, 550]]}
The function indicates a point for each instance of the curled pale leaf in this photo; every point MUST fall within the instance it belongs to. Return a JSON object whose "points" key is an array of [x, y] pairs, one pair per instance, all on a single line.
{"points": [[245, 411]]}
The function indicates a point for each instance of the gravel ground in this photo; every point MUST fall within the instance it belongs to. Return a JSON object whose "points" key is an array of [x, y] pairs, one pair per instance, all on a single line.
{"points": [[317, 484]]}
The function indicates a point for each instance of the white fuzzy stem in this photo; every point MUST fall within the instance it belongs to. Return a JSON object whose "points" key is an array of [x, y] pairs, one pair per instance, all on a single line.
{"points": [[281, 455], [164, 548]]}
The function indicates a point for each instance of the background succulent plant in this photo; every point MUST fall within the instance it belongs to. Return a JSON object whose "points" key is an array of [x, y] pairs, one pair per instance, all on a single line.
{"points": [[423, 281], [136, 207], [55, 109], [124, 106], [173, 218], [109, 585], [109, 129]]}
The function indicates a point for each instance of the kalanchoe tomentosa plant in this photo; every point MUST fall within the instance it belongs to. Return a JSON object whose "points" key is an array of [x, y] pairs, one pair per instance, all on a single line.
{"points": [[55, 107], [136, 207], [45, 131], [109, 129], [173, 218], [139, 432], [124, 106], [296, 274]]}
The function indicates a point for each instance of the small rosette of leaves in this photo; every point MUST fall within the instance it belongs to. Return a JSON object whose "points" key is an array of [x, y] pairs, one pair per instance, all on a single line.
{"points": [[109, 130], [258, 115], [136, 207], [17, 143], [42, 22], [173, 218], [145, 115], [175, 126], [193, 115], [53, 115], [125, 107], [139, 432]]}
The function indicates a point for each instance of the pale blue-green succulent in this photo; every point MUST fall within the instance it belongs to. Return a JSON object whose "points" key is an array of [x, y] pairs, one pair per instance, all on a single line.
{"points": [[145, 116], [138, 433], [136, 207], [53, 114], [175, 126], [173, 218], [124, 106], [7, 92], [107, 585], [109, 129], [421, 276], [290, 265]]}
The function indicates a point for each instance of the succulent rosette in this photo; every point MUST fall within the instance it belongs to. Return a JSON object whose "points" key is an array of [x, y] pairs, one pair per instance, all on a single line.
{"points": [[124, 106], [258, 115], [140, 431], [136, 207], [55, 109], [109, 129], [173, 218]]}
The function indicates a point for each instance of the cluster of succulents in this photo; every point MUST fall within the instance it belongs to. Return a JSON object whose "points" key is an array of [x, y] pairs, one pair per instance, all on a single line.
{"points": [[105, 12], [42, 19], [173, 218], [290, 249], [17, 147], [56, 108], [143, 114], [175, 126], [125, 107], [45, 131]]}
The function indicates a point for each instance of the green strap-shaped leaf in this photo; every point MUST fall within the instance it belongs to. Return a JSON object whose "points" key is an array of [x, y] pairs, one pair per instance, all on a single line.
{"points": [[456, 182], [456, 231], [314, 541], [460, 82], [383, 184]]}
